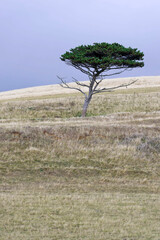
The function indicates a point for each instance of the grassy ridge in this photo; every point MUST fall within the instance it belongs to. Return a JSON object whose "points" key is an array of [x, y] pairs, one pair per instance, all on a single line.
{"points": [[64, 177], [67, 106]]}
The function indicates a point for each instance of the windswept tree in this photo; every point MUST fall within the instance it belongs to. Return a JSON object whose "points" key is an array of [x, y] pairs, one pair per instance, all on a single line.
{"points": [[99, 61]]}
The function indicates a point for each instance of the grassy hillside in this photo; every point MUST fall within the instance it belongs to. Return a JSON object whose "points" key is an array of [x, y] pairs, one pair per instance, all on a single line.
{"points": [[64, 177]]}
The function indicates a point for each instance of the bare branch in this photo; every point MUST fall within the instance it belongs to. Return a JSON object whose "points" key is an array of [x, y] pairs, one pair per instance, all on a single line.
{"points": [[79, 83], [113, 88], [65, 85], [107, 75], [89, 73], [97, 83]]}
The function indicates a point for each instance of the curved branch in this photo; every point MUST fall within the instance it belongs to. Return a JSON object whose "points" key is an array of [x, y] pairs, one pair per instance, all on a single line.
{"points": [[113, 88], [79, 83], [107, 75], [89, 72], [65, 85], [97, 83]]}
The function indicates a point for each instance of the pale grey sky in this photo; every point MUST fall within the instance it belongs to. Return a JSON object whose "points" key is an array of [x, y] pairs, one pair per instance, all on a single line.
{"points": [[34, 33]]}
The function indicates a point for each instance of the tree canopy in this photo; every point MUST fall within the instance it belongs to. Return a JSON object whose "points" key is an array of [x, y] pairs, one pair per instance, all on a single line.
{"points": [[99, 58], [96, 61]]}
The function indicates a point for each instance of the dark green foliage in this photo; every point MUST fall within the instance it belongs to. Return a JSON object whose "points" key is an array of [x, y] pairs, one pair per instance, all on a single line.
{"points": [[103, 56], [95, 61]]}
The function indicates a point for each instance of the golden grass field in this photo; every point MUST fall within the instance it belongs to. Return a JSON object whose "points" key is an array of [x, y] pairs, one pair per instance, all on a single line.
{"points": [[73, 178]]}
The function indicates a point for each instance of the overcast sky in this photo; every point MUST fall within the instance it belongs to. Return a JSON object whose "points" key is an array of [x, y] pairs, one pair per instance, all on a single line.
{"points": [[34, 33]]}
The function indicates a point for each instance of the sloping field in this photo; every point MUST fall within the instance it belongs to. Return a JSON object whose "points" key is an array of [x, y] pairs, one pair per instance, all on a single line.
{"points": [[143, 82], [67, 177]]}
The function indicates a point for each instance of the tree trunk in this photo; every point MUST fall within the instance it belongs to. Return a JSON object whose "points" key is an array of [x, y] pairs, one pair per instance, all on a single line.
{"points": [[85, 106]]}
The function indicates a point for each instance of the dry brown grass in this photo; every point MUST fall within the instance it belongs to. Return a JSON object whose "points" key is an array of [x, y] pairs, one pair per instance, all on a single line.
{"points": [[56, 89], [79, 215], [65, 177]]}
